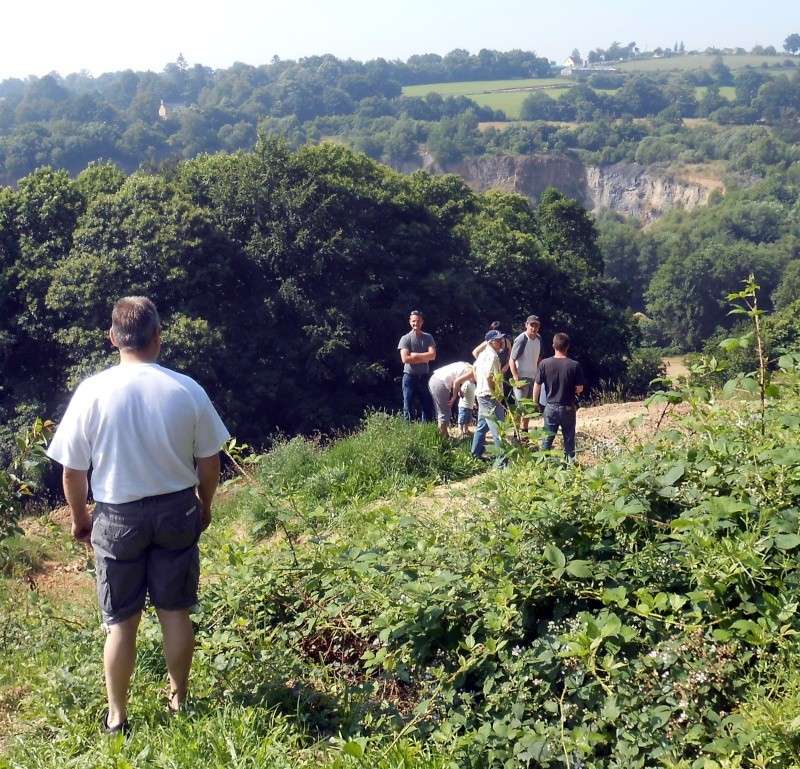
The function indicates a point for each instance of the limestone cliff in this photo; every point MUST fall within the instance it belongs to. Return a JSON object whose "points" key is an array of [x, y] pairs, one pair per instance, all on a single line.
{"points": [[628, 188]]}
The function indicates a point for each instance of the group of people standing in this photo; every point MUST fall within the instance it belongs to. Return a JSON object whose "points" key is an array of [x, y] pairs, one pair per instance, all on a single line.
{"points": [[554, 383]]}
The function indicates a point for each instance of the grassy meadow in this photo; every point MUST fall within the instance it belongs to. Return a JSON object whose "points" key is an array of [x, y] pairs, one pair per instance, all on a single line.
{"points": [[471, 87], [701, 61], [506, 95]]}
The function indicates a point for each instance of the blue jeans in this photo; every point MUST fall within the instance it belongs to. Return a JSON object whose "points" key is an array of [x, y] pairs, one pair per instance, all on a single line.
{"points": [[416, 386], [564, 417], [490, 412]]}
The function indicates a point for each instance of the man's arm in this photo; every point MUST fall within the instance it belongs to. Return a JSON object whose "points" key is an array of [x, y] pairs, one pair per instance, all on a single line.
{"points": [[537, 383], [580, 380], [479, 349], [76, 491], [406, 356], [469, 376], [208, 480]]}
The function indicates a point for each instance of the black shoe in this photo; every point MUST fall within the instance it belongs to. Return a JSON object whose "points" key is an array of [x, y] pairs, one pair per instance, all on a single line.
{"points": [[123, 727]]}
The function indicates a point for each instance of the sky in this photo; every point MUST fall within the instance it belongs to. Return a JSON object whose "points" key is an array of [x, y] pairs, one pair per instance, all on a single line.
{"points": [[41, 36]]}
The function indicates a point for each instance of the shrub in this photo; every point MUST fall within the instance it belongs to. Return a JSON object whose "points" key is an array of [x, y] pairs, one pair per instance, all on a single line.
{"points": [[644, 365]]}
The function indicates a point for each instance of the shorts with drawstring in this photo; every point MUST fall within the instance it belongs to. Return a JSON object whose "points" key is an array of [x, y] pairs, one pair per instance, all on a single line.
{"points": [[147, 547]]}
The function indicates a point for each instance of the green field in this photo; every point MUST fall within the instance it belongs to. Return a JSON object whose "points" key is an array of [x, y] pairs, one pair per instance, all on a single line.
{"points": [[701, 61], [471, 87], [726, 92], [506, 95], [510, 101]]}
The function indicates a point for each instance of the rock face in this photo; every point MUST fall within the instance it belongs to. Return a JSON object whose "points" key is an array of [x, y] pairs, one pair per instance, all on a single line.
{"points": [[633, 190], [628, 188]]}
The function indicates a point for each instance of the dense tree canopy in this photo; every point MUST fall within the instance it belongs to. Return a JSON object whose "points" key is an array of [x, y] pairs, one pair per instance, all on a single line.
{"points": [[285, 279], [680, 270]]}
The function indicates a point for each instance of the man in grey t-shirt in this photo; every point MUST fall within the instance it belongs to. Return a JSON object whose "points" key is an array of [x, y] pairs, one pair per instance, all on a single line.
{"points": [[525, 354], [417, 350]]}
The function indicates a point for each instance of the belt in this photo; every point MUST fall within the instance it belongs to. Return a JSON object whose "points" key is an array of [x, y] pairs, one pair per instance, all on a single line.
{"points": [[164, 497]]}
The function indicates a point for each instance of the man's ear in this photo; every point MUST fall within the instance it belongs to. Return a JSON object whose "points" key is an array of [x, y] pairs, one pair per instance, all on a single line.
{"points": [[112, 337]]}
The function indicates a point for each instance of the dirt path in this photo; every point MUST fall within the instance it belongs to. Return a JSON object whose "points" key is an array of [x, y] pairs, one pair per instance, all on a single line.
{"points": [[676, 367]]}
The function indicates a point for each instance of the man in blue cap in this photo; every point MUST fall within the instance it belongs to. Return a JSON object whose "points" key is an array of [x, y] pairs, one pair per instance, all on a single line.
{"points": [[488, 379]]}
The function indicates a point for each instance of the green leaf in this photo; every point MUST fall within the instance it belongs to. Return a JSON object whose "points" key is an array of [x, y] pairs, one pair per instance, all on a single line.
{"points": [[749, 384], [786, 456], [580, 569], [617, 595], [611, 626], [354, 748], [685, 523], [611, 711], [554, 556], [673, 474], [729, 388], [729, 344], [786, 541]]}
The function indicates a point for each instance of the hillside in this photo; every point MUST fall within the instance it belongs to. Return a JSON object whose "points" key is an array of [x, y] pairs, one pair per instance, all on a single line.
{"points": [[383, 108], [705, 61], [639, 610]]}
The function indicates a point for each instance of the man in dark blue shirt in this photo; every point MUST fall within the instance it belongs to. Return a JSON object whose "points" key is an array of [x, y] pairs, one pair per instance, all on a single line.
{"points": [[563, 379]]}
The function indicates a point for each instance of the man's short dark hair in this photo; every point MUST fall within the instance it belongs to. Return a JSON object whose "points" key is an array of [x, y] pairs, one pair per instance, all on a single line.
{"points": [[416, 312], [561, 342], [135, 322]]}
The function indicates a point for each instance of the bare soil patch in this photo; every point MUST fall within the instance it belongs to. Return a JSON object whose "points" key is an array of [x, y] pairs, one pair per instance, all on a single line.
{"points": [[676, 367], [66, 580]]}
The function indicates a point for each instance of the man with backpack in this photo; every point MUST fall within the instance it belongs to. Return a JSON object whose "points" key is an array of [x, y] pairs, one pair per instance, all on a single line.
{"points": [[525, 354]]}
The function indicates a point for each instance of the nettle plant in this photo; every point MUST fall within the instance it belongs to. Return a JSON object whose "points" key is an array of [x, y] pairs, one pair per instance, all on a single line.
{"points": [[761, 382], [20, 480]]}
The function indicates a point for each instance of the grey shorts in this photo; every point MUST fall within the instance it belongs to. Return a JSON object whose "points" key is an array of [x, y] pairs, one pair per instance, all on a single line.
{"points": [[147, 547], [441, 399]]}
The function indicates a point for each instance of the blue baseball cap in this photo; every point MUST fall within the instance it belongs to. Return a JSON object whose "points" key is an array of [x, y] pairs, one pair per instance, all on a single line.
{"points": [[493, 336]]}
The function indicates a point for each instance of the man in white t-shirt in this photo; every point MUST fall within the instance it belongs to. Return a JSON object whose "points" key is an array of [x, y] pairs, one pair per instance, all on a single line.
{"points": [[444, 385], [488, 385], [525, 355], [151, 438]]}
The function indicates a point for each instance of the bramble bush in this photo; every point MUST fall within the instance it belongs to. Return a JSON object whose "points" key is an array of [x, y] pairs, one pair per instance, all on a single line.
{"points": [[624, 615]]}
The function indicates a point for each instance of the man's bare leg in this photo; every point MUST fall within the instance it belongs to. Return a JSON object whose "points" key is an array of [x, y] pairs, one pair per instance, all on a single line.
{"points": [[119, 659], [176, 627]]}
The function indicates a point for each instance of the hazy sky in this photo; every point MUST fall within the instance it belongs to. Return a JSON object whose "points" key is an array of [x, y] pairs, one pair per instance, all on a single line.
{"points": [[39, 36]]}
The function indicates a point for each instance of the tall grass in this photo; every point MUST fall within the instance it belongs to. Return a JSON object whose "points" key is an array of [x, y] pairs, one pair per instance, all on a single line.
{"points": [[385, 457]]}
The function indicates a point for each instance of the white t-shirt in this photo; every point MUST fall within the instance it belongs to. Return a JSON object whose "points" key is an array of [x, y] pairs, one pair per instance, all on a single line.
{"points": [[139, 426], [449, 373], [467, 399], [487, 365]]}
